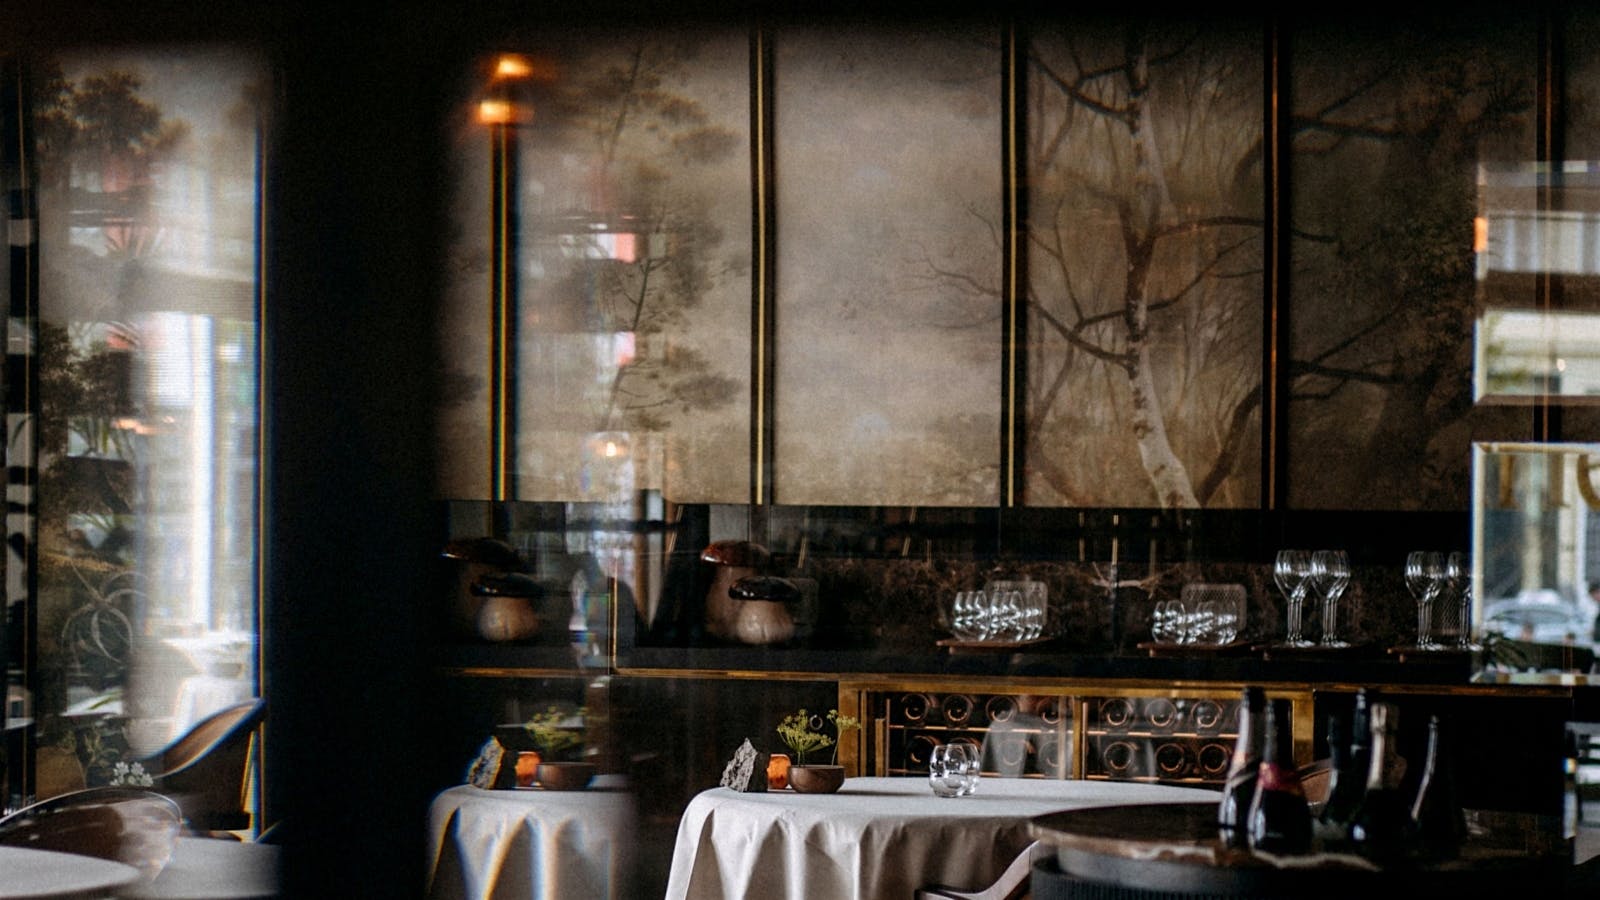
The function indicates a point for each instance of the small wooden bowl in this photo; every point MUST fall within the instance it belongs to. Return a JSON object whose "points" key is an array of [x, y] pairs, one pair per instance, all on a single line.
{"points": [[816, 779], [565, 776]]}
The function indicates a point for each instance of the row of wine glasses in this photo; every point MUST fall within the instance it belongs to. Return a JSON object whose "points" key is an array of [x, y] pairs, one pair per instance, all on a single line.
{"points": [[1430, 573], [1002, 611], [1301, 572]]}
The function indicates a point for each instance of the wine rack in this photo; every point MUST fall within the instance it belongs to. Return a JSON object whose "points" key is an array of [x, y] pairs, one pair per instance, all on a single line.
{"points": [[1181, 740], [1174, 734], [1018, 735]]}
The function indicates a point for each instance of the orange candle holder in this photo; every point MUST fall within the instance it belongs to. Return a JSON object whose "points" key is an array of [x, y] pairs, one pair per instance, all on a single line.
{"points": [[777, 772], [527, 768]]}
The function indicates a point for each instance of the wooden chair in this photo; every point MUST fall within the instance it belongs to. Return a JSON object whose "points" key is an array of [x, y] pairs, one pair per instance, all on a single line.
{"points": [[133, 826], [1013, 884], [204, 771], [1315, 779]]}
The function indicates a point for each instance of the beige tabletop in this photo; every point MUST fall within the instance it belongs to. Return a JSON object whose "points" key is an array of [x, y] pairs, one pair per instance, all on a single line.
{"points": [[213, 869], [46, 875], [876, 837], [532, 844]]}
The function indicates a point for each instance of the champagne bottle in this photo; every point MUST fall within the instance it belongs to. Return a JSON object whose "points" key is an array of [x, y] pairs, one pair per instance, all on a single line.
{"points": [[1280, 821], [1349, 753], [1239, 787], [1382, 829], [1440, 822]]}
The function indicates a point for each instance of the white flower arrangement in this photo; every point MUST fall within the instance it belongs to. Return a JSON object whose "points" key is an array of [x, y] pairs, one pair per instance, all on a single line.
{"points": [[130, 775]]}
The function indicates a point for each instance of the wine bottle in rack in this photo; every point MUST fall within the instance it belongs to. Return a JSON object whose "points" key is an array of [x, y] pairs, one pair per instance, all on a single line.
{"points": [[1205, 716], [957, 709], [1048, 761], [1280, 820], [1160, 714], [1116, 713], [913, 707], [919, 749], [1239, 787], [1000, 708]]}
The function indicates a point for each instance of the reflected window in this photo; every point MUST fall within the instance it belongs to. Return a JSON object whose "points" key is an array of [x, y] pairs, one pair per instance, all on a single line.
{"points": [[1536, 541], [146, 431]]}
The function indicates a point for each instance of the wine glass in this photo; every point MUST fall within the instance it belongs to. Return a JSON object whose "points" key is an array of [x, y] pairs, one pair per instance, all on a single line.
{"points": [[1291, 572], [969, 617], [1332, 568], [1458, 572], [1425, 575]]}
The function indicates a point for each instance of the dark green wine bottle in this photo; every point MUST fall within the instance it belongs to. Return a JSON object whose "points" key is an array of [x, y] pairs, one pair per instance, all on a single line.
{"points": [[1349, 756], [1239, 786], [1440, 822], [1280, 820], [1382, 829]]}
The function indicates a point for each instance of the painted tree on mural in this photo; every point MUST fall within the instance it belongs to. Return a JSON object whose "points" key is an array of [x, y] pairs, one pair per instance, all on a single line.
{"points": [[1144, 266], [627, 238]]}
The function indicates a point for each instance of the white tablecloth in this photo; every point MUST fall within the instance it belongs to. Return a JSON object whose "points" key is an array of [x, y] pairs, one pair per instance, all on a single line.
{"points": [[213, 869], [876, 838], [27, 874], [531, 843]]}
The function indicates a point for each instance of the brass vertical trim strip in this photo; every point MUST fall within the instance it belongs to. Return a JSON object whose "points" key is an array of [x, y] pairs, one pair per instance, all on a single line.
{"points": [[1013, 312], [1550, 156], [259, 743], [1275, 378], [496, 285], [502, 306], [762, 331]]}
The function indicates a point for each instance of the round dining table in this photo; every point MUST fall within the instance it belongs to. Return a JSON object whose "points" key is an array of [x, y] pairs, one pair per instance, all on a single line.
{"points": [[206, 868], [28, 874], [876, 837], [532, 843]]}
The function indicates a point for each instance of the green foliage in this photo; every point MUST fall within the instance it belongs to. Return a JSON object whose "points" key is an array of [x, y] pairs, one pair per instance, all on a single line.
{"points": [[549, 736], [803, 739]]}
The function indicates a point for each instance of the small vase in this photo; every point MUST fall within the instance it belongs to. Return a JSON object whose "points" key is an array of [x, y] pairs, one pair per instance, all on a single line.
{"points": [[810, 779]]}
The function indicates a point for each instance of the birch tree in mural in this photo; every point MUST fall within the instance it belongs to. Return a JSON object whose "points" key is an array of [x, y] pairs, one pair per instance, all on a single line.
{"points": [[1144, 267]]}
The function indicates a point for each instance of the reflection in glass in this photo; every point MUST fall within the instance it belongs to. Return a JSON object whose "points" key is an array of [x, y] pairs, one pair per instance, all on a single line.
{"points": [[147, 433], [1144, 265], [865, 121], [632, 262], [1530, 353], [1393, 128], [1535, 522]]}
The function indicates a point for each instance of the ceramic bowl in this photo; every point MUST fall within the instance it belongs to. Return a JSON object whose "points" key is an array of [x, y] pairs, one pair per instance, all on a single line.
{"points": [[816, 779], [565, 776]]}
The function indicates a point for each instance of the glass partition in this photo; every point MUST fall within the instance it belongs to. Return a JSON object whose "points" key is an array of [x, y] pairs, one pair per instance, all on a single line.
{"points": [[145, 435], [1536, 541]]}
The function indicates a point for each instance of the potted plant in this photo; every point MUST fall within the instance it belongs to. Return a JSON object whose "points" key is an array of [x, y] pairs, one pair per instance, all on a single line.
{"points": [[558, 743], [804, 735]]}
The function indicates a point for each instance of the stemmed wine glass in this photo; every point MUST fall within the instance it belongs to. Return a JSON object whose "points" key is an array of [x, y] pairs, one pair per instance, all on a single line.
{"points": [[1425, 575], [1332, 575], [1458, 573], [1292, 572]]}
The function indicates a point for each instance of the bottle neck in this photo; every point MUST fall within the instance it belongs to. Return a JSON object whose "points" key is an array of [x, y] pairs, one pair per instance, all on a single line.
{"points": [[1380, 749]]}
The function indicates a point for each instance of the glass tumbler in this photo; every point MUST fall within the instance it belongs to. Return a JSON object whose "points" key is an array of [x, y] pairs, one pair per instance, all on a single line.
{"points": [[953, 770]]}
